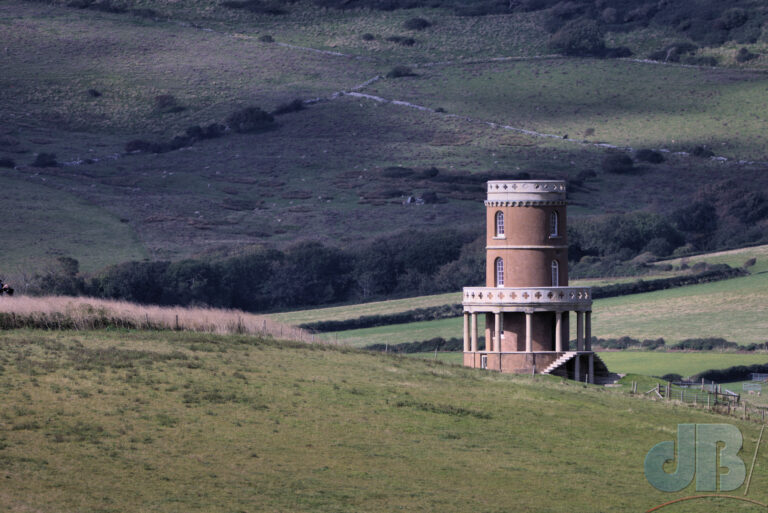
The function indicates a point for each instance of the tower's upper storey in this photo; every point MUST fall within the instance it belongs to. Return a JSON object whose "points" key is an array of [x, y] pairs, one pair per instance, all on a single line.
{"points": [[525, 192]]}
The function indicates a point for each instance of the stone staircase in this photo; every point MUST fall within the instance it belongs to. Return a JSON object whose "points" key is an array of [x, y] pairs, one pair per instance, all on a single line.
{"points": [[560, 361], [602, 375]]}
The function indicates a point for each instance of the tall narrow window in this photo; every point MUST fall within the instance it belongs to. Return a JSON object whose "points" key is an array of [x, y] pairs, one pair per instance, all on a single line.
{"points": [[499, 270], [553, 225], [499, 224], [555, 274]]}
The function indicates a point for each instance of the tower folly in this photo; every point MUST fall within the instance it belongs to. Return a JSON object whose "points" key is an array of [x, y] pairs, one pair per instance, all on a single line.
{"points": [[527, 303]]}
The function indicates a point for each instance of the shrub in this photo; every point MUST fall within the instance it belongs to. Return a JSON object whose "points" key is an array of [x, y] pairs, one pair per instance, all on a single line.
{"points": [[700, 60], [578, 37], [731, 18], [651, 156], [672, 377], [266, 38], [610, 15], [294, 106], [138, 145], [750, 262], [703, 152], [416, 24], [659, 246], [367, 37], [213, 130], [673, 52], [617, 163], [167, 104], [401, 71], [404, 41], [256, 6], [430, 197], [430, 172], [93, 93], [45, 160], [145, 13], [744, 55], [6, 162], [250, 119], [619, 52], [397, 172], [107, 6]]}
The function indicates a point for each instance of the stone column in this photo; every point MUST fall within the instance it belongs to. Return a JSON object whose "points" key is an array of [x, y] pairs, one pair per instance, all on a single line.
{"points": [[473, 332], [528, 328], [497, 332], [466, 332], [580, 331], [559, 332], [591, 370], [588, 330]]}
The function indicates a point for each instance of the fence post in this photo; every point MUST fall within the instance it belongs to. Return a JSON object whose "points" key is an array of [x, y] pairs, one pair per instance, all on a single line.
{"points": [[669, 390]]}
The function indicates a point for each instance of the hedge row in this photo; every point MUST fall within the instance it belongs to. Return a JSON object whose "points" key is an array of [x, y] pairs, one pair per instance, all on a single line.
{"points": [[730, 374], [722, 272], [714, 273], [437, 343], [369, 321], [691, 344]]}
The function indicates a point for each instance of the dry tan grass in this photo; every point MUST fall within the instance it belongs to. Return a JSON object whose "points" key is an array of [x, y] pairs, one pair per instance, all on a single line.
{"points": [[63, 312]]}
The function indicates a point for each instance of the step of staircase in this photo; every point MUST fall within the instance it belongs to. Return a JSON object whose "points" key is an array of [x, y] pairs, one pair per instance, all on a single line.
{"points": [[560, 361]]}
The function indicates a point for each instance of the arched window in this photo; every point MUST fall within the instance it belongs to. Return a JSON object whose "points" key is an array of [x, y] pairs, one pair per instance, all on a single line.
{"points": [[555, 274], [498, 266], [499, 224], [553, 225]]}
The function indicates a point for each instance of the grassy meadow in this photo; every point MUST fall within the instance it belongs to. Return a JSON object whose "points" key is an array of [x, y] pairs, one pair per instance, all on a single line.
{"points": [[621, 102], [652, 363], [733, 309], [166, 422], [648, 363]]}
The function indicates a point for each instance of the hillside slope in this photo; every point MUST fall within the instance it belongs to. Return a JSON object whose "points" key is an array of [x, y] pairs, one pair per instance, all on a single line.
{"points": [[81, 83], [169, 422]]}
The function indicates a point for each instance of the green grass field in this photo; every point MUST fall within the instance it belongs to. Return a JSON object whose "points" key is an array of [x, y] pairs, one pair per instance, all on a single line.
{"points": [[41, 223], [339, 313], [686, 364], [733, 309], [668, 107], [648, 363], [169, 422]]}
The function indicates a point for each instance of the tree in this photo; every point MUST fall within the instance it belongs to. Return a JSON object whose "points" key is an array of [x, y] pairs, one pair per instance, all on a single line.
{"points": [[578, 37]]}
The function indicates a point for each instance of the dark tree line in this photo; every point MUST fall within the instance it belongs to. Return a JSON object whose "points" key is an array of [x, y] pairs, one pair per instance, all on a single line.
{"points": [[266, 279], [415, 263]]}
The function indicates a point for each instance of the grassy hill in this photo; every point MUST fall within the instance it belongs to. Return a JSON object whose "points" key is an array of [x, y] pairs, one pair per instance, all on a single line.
{"points": [[117, 421]]}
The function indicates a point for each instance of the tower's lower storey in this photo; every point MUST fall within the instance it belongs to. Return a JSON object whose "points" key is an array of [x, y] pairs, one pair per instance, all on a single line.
{"points": [[527, 332]]}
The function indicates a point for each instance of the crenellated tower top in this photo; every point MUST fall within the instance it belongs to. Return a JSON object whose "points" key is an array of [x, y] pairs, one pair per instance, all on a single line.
{"points": [[526, 192]]}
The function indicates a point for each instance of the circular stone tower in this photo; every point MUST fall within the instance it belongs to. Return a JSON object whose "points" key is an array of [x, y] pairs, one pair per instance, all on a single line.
{"points": [[527, 302]]}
